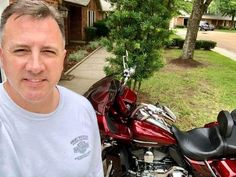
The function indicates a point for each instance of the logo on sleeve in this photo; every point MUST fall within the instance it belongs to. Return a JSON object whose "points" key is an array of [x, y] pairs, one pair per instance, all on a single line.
{"points": [[80, 147]]}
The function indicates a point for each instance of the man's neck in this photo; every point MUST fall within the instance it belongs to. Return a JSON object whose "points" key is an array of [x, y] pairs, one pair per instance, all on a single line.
{"points": [[45, 106]]}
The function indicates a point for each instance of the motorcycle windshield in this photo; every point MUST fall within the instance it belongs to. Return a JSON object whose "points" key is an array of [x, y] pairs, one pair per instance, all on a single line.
{"points": [[102, 94]]}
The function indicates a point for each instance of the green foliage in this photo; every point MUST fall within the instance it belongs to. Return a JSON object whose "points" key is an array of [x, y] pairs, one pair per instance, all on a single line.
{"points": [[78, 55], [205, 44], [101, 28], [178, 42], [226, 8], [93, 45], [200, 44], [183, 6], [90, 33], [179, 26], [141, 28]]}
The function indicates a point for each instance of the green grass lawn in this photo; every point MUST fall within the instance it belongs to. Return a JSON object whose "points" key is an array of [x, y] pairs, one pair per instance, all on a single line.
{"points": [[195, 94]]}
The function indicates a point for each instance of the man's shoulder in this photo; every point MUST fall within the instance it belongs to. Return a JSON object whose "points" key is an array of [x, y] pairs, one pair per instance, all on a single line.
{"points": [[72, 96]]}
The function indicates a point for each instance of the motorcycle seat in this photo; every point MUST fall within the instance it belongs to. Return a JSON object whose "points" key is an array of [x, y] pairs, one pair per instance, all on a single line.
{"points": [[226, 123], [233, 114], [230, 143], [200, 143]]}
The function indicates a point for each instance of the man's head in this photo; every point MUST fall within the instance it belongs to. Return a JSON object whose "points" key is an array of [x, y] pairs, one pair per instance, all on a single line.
{"points": [[32, 52], [35, 8]]}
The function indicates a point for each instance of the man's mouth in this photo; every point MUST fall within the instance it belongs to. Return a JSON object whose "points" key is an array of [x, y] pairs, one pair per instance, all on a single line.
{"points": [[34, 82]]}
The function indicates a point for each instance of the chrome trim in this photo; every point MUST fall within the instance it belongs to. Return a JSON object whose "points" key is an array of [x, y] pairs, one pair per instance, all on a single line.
{"points": [[154, 115], [209, 167], [158, 123], [144, 142]]}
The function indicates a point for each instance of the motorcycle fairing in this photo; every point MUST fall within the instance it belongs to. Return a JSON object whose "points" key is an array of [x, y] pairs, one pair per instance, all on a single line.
{"points": [[102, 94], [225, 167]]}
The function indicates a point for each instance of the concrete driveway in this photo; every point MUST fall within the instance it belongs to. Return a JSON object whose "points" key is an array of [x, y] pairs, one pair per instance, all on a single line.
{"points": [[225, 40]]}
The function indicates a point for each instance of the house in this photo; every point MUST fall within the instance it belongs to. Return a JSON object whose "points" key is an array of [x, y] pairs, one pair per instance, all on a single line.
{"points": [[217, 20], [78, 14], [81, 14]]}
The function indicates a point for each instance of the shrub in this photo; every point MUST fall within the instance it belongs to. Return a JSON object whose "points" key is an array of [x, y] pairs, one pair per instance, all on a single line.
{"points": [[200, 44], [223, 27], [175, 42], [178, 42], [169, 43], [207, 45], [102, 29], [90, 33], [179, 26], [77, 56], [93, 44]]}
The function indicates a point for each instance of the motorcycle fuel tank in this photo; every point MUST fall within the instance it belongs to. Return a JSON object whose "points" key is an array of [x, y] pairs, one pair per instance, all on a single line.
{"points": [[150, 134], [149, 126]]}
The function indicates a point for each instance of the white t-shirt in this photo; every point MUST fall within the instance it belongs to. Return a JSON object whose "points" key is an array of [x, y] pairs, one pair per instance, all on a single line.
{"points": [[64, 143]]}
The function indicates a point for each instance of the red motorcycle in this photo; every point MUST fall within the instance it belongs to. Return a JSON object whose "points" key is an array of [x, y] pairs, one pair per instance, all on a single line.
{"points": [[140, 140]]}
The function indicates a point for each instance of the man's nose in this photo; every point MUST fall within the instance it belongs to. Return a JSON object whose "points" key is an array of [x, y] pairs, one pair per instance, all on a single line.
{"points": [[35, 63]]}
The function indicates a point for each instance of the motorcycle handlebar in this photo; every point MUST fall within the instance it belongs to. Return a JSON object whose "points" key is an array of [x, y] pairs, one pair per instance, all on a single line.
{"points": [[128, 71]]}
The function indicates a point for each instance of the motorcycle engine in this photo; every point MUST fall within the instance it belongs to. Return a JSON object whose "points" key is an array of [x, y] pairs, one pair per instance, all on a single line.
{"points": [[156, 164]]}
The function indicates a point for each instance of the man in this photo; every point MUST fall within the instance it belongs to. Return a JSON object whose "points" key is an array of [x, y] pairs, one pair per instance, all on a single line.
{"points": [[45, 129]]}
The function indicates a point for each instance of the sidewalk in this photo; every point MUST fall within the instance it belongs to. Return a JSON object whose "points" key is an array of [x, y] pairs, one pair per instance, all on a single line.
{"points": [[88, 72]]}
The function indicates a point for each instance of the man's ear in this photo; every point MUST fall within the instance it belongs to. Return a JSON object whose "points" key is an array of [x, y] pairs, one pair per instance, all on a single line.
{"points": [[65, 52]]}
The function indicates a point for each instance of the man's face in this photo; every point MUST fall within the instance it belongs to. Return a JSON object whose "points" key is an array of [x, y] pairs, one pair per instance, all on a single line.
{"points": [[32, 56]]}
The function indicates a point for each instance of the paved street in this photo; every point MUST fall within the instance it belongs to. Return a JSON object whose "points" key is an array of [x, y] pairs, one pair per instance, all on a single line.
{"points": [[225, 40]]}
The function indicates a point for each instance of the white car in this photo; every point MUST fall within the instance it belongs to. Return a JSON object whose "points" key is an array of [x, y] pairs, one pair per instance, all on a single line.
{"points": [[206, 26]]}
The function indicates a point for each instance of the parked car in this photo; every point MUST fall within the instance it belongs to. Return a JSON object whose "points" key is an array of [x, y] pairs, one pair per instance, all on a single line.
{"points": [[206, 26]]}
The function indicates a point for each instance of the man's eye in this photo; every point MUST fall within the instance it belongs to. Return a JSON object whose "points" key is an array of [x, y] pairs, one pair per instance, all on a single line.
{"points": [[21, 52], [49, 52]]}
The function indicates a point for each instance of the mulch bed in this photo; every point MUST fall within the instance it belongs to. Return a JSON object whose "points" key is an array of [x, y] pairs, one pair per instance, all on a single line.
{"points": [[71, 48], [189, 63]]}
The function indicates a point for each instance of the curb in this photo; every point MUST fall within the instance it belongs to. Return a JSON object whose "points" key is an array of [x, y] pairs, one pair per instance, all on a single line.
{"points": [[80, 62], [225, 52]]}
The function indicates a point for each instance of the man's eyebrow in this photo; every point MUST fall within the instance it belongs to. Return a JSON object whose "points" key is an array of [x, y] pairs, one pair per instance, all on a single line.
{"points": [[18, 46]]}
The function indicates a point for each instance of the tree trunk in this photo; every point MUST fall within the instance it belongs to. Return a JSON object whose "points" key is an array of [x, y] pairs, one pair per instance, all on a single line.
{"points": [[233, 23], [199, 7]]}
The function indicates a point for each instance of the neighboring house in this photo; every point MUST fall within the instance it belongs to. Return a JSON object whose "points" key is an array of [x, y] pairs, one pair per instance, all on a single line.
{"points": [[81, 14], [216, 20], [78, 15]]}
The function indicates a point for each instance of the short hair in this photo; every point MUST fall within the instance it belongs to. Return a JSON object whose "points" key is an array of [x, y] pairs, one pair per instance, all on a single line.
{"points": [[35, 8]]}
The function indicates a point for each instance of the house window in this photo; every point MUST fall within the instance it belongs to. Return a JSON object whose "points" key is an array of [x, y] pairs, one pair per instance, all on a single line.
{"points": [[91, 17]]}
